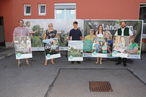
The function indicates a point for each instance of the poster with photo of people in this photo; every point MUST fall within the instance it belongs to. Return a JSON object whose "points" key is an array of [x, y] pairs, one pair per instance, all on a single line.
{"points": [[22, 46], [75, 50], [127, 40], [51, 48], [99, 47], [100, 32], [39, 26], [101, 38], [112, 45]]}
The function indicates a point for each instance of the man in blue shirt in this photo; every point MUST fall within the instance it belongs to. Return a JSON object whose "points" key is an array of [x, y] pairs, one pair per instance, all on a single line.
{"points": [[75, 34]]}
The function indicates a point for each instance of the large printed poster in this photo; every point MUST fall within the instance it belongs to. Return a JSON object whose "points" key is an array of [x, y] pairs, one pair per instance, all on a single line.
{"points": [[39, 26], [129, 45], [75, 51], [109, 47], [22, 46], [112, 45], [51, 48]]}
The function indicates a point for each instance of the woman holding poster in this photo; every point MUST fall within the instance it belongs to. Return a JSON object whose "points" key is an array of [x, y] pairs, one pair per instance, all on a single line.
{"points": [[50, 33], [100, 43]]}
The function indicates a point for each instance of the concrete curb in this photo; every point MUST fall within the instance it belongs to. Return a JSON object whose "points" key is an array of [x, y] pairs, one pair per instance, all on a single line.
{"points": [[137, 75], [6, 55]]}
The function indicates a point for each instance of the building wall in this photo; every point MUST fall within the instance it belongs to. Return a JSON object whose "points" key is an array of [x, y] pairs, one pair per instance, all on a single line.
{"points": [[12, 10], [142, 1], [6, 12]]}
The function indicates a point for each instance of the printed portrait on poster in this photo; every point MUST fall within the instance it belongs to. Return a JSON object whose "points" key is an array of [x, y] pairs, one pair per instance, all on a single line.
{"points": [[22, 46], [51, 48]]}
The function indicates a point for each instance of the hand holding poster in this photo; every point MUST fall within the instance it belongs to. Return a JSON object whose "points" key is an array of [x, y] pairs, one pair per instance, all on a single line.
{"points": [[75, 51], [51, 48], [23, 47]]}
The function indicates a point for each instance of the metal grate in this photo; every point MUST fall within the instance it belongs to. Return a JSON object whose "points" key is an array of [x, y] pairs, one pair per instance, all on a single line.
{"points": [[100, 86]]}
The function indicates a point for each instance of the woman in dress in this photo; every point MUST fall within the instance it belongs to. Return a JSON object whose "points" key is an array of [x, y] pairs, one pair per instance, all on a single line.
{"points": [[101, 38]]}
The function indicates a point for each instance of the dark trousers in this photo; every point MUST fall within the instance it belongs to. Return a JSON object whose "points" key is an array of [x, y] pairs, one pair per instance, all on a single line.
{"points": [[124, 60]]}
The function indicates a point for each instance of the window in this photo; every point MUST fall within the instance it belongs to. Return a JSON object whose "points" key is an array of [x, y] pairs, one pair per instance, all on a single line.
{"points": [[143, 12], [42, 9], [27, 10], [65, 11], [143, 17]]}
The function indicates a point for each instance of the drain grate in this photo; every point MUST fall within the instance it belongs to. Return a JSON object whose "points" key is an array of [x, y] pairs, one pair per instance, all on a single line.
{"points": [[100, 86]]}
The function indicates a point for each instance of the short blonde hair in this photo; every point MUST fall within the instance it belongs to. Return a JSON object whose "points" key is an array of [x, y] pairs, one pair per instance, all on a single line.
{"points": [[50, 25]]}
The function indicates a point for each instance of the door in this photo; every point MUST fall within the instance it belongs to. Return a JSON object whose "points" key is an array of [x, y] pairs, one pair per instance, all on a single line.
{"points": [[2, 34]]}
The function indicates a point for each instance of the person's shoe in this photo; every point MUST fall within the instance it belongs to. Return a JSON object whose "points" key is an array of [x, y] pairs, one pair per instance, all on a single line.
{"points": [[46, 63], [124, 64], [97, 62], [78, 62], [19, 63], [27, 62], [72, 62], [118, 63], [100, 63], [52, 62]]}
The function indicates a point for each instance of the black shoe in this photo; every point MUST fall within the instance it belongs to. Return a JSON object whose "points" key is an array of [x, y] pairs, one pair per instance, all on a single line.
{"points": [[124, 64], [118, 63], [72, 62], [78, 62]]}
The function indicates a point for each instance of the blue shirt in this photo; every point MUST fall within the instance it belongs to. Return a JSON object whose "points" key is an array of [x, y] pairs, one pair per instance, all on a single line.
{"points": [[75, 34]]}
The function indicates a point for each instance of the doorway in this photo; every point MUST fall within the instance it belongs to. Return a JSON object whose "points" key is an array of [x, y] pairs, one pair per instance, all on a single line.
{"points": [[2, 34]]}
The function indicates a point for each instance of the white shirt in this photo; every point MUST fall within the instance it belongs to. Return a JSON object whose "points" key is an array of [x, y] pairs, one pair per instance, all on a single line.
{"points": [[99, 35], [130, 32]]}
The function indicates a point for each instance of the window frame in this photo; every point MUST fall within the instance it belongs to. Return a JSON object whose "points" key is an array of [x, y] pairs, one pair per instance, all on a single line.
{"points": [[25, 7], [39, 10], [141, 6], [65, 9]]}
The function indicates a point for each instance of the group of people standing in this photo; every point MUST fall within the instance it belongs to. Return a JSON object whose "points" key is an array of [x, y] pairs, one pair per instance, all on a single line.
{"points": [[76, 34]]}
